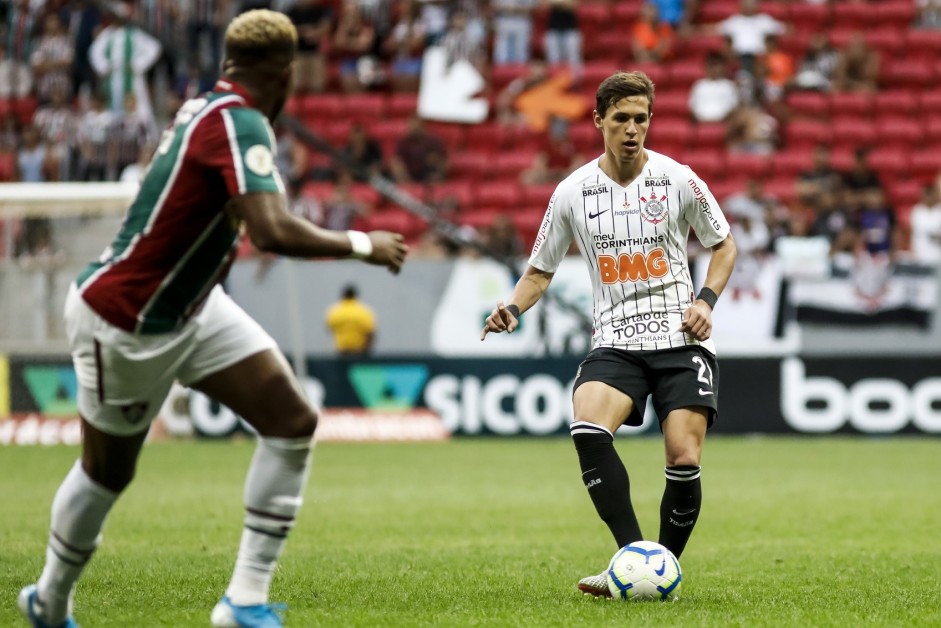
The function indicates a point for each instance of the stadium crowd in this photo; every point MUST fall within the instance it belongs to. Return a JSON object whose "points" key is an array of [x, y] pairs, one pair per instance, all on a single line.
{"points": [[801, 115]]}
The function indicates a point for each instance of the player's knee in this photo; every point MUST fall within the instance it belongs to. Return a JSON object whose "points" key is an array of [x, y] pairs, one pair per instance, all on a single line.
{"points": [[103, 474], [688, 455], [303, 424]]}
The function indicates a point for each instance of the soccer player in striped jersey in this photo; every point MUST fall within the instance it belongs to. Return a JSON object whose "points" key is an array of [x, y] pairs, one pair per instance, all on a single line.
{"points": [[151, 311], [630, 212]]}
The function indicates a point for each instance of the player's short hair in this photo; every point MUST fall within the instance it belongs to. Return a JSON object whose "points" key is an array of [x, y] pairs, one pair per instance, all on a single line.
{"points": [[261, 36], [621, 85]]}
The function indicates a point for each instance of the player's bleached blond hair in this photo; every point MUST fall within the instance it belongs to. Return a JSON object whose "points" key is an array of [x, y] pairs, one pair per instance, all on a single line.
{"points": [[260, 36], [622, 85]]}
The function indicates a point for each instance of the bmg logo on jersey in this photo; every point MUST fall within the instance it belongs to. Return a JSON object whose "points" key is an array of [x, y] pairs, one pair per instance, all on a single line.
{"points": [[633, 267]]}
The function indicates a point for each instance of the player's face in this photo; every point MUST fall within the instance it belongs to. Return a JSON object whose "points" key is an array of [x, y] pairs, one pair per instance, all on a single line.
{"points": [[624, 127]]}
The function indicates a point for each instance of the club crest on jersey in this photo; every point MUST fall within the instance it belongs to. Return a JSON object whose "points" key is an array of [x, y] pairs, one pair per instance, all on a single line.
{"points": [[594, 190], [653, 211], [259, 160], [656, 182]]}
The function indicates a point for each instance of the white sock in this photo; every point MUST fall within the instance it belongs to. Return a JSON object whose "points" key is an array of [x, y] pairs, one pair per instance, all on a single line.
{"points": [[273, 496], [78, 514]]}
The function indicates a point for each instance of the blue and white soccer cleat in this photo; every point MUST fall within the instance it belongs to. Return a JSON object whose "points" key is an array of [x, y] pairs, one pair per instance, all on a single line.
{"points": [[27, 605], [228, 615]]}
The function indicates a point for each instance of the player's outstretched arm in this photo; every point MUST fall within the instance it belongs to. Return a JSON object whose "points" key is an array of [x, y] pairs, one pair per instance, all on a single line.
{"points": [[529, 289], [697, 320], [273, 229]]}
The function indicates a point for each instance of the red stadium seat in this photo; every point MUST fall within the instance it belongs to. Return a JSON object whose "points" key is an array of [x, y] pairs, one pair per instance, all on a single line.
{"points": [[717, 10], [593, 16], [7, 166], [503, 75], [791, 162], [886, 40], [917, 73], [624, 13], [698, 46], [930, 101], [709, 134], [898, 130], [684, 73], [656, 71], [479, 218], [606, 45], [898, 101], [842, 157], [396, 220], [319, 191], [795, 42], [538, 195], [365, 194], [527, 224], [596, 71], [853, 132], [851, 104], [403, 105], [675, 131], [460, 191], [854, 15], [499, 194], [670, 104], [923, 43], [751, 166], [322, 106], [890, 162], [807, 133], [781, 188], [586, 137], [24, 109], [904, 193], [451, 134], [470, 165], [707, 163], [512, 162], [364, 106], [897, 13], [778, 10], [809, 104], [926, 164], [388, 130], [808, 17]]}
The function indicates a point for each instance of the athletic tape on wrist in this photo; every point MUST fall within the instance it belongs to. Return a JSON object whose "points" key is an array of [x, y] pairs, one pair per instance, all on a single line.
{"points": [[710, 297], [360, 243]]}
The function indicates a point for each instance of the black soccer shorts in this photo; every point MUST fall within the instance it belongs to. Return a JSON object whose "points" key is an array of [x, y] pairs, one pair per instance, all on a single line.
{"points": [[677, 378]]}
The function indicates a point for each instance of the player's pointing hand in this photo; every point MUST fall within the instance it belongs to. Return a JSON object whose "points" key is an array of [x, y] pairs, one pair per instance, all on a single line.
{"points": [[500, 319], [388, 249]]}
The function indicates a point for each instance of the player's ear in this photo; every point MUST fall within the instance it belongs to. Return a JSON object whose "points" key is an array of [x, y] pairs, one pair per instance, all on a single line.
{"points": [[597, 117]]}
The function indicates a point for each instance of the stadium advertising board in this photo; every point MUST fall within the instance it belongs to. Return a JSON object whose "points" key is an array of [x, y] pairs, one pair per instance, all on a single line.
{"points": [[429, 399]]}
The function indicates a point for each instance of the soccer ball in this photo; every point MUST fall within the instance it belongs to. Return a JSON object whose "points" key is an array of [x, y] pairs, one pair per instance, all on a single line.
{"points": [[644, 571]]}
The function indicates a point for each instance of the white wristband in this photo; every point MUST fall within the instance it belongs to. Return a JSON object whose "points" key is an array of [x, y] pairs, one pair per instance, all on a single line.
{"points": [[362, 245]]}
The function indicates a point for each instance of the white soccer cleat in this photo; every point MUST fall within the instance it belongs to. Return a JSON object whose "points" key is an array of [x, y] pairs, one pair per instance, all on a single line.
{"points": [[595, 585]]}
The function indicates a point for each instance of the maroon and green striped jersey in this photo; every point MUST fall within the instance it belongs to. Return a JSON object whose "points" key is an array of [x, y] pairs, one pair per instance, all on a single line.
{"points": [[176, 241]]}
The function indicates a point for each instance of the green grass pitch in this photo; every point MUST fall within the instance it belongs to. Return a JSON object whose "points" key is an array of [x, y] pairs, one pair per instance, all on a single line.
{"points": [[794, 532]]}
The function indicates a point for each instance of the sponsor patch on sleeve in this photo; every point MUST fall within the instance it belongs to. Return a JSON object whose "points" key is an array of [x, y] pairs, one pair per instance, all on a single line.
{"points": [[259, 160]]}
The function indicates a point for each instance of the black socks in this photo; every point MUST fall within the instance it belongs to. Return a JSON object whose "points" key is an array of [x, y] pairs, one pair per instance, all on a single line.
{"points": [[679, 509]]}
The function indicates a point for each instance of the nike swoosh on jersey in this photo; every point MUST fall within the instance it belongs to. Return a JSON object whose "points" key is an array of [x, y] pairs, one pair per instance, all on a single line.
{"points": [[591, 215], [704, 393]]}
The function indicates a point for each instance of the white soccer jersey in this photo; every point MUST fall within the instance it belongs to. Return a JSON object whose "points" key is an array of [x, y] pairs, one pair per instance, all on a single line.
{"points": [[633, 239]]}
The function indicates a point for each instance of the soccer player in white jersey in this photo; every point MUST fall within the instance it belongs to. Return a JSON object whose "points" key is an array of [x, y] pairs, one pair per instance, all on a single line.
{"points": [[630, 211], [151, 311]]}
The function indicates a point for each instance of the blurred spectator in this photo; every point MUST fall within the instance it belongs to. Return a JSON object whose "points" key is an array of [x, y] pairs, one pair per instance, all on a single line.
{"points": [[651, 37], [82, 20], [205, 22], [929, 14], [536, 74], [434, 19], [747, 31], [926, 227], [857, 67], [20, 30], [512, 30], [821, 177], [341, 207], [752, 130], [460, 43], [555, 162], [833, 220], [353, 43], [878, 227], [861, 177], [406, 45], [134, 173], [92, 138], [752, 238], [57, 125], [677, 13], [818, 64], [129, 134], [52, 60], [352, 323], [778, 66], [364, 150], [122, 54], [563, 39], [292, 158], [420, 155], [33, 162], [312, 19], [503, 238], [715, 96], [16, 81], [305, 206]]}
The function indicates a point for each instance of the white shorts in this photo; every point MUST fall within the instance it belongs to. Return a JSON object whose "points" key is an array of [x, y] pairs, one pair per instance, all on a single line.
{"points": [[124, 378]]}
